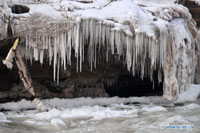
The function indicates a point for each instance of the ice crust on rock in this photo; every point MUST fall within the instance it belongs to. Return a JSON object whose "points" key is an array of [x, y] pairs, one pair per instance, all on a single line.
{"points": [[146, 38], [95, 29]]}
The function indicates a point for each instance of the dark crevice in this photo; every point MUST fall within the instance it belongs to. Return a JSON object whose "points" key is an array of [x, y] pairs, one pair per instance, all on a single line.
{"points": [[127, 85], [19, 9]]}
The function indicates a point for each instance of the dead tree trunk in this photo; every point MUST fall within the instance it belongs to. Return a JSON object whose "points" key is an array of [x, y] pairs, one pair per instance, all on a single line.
{"points": [[27, 81]]}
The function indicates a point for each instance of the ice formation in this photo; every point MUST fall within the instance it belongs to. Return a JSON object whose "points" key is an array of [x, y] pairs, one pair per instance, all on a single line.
{"points": [[146, 38]]}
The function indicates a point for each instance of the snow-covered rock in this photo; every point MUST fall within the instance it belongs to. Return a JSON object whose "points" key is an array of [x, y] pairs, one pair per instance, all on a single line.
{"points": [[145, 37]]}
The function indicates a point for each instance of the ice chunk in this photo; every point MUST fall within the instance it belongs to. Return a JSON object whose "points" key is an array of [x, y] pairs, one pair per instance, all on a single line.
{"points": [[57, 122]]}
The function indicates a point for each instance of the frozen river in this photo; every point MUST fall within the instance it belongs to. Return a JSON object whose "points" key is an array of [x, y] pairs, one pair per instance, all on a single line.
{"points": [[102, 115]]}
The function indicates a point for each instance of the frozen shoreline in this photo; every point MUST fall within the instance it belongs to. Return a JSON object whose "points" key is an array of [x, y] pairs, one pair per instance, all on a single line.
{"points": [[190, 95]]}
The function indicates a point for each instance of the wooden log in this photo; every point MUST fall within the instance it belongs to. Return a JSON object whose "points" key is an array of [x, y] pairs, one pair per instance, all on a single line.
{"points": [[27, 81], [24, 75]]}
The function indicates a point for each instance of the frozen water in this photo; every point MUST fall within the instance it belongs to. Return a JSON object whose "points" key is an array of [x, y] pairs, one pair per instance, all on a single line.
{"points": [[110, 117]]}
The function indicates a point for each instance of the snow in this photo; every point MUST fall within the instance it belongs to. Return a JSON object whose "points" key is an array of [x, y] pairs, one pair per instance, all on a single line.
{"points": [[78, 102], [97, 112], [174, 120], [23, 104], [152, 114], [3, 118], [154, 3], [47, 115], [150, 109], [189, 95], [186, 96], [189, 106], [36, 123], [196, 1], [57, 122]]}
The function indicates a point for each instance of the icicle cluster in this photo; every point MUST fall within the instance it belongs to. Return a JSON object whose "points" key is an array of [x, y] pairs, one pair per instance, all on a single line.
{"points": [[141, 53]]}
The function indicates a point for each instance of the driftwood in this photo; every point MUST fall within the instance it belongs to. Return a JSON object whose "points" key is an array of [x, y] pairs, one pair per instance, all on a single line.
{"points": [[27, 81], [24, 74]]}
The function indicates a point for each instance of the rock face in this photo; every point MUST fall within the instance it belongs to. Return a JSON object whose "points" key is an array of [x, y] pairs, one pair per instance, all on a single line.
{"points": [[145, 38], [194, 8]]}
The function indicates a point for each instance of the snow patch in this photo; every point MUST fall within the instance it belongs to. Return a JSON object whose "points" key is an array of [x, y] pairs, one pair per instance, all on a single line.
{"points": [[57, 122], [151, 109], [97, 112], [77, 102], [3, 118], [23, 104], [174, 120], [47, 115], [189, 95], [36, 123], [189, 106]]}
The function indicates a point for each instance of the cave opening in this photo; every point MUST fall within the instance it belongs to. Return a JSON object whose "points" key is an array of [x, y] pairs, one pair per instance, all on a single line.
{"points": [[107, 79], [8, 78], [19, 9], [127, 85], [114, 79]]}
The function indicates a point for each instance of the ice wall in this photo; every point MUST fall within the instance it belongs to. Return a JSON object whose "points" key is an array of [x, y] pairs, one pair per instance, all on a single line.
{"points": [[145, 38]]}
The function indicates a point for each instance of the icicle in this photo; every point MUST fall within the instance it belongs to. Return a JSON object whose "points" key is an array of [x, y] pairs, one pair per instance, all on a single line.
{"points": [[159, 76], [41, 56], [80, 52], [55, 58], [50, 50], [69, 44], [58, 68], [36, 54], [77, 41]]}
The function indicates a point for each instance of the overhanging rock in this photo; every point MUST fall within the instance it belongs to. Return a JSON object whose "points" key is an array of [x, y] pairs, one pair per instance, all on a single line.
{"points": [[147, 37]]}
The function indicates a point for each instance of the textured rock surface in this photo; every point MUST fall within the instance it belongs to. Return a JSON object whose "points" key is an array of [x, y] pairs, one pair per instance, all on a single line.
{"points": [[194, 8]]}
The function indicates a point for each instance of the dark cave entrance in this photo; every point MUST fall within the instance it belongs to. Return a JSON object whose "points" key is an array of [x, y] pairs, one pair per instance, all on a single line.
{"points": [[8, 78], [114, 79], [107, 78], [19, 9], [127, 85]]}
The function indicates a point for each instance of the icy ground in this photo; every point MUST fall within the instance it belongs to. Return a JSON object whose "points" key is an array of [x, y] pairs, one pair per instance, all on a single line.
{"points": [[104, 115]]}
